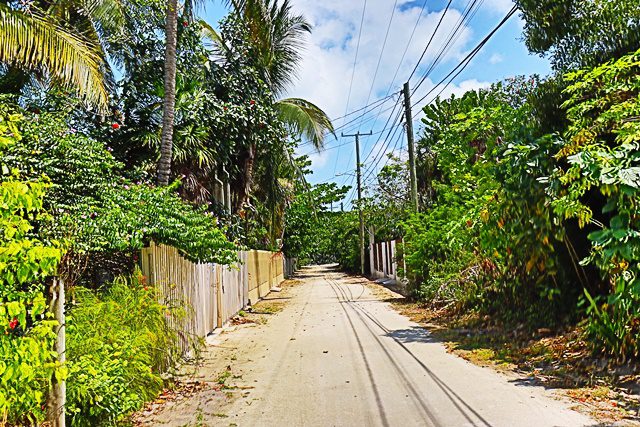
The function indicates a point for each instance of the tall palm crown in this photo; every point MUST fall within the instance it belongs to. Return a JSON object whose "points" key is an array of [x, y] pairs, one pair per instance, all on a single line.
{"points": [[278, 36]]}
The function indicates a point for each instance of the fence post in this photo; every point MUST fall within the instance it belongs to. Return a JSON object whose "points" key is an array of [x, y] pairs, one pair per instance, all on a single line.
{"points": [[57, 398]]}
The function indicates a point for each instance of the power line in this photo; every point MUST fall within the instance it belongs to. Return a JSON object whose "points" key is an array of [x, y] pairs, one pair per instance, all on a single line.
{"points": [[395, 145], [340, 145], [373, 103], [397, 103], [353, 71], [406, 49], [465, 62], [355, 59], [350, 122], [451, 38], [384, 128], [384, 45], [382, 151], [424, 52]]}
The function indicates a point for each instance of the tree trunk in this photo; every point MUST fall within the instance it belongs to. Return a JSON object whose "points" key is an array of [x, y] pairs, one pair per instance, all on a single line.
{"points": [[57, 398], [168, 113], [244, 187]]}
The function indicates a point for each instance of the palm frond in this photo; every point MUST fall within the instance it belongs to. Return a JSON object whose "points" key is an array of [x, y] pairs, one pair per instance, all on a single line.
{"points": [[305, 119], [209, 33], [278, 35], [33, 42], [108, 15]]}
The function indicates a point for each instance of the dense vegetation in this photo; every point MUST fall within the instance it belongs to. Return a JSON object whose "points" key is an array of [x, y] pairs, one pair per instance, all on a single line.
{"points": [[529, 204], [86, 124]]}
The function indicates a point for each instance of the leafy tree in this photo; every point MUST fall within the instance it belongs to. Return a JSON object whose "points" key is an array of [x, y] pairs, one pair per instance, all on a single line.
{"points": [[578, 33], [600, 186], [27, 363]]}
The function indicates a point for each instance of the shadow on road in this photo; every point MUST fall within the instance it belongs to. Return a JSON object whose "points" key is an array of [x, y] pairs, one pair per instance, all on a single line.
{"points": [[413, 334]]}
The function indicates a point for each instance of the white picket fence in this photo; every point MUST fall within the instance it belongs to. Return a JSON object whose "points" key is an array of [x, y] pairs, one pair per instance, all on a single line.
{"points": [[384, 260]]}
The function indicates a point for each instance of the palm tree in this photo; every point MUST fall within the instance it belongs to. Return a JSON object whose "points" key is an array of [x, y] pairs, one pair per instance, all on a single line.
{"points": [[276, 36], [34, 41], [166, 144]]}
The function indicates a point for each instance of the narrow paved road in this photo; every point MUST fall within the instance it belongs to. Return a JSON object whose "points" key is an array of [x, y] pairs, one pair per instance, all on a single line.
{"points": [[339, 356]]}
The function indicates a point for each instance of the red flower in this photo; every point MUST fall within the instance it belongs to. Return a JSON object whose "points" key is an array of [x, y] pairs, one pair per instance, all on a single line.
{"points": [[252, 102], [115, 126], [13, 324], [185, 24]]}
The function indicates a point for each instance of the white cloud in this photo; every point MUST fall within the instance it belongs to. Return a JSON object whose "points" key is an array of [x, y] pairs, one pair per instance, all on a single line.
{"points": [[501, 6], [326, 70], [496, 58]]}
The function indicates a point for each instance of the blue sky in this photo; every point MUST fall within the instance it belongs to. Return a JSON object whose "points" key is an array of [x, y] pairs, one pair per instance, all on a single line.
{"points": [[325, 74]]}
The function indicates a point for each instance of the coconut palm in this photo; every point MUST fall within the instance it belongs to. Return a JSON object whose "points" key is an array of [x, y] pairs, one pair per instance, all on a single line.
{"points": [[277, 36], [35, 41]]}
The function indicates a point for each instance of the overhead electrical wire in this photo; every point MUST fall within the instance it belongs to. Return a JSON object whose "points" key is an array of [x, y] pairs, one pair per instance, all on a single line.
{"points": [[346, 126], [406, 49], [457, 70], [395, 145], [382, 150], [355, 59], [353, 70], [453, 36], [424, 52], [450, 77], [391, 115], [397, 103], [468, 14], [384, 45], [341, 145]]}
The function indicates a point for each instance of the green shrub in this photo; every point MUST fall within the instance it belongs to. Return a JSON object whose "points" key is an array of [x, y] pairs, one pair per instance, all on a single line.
{"points": [[119, 346], [27, 362], [600, 187], [94, 207]]}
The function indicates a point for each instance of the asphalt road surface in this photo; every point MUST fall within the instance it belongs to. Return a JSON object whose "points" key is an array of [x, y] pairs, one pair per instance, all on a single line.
{"points": [[337, 355]]}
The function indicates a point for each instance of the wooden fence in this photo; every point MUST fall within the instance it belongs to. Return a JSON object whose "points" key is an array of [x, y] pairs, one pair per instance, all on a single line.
{"points": [[212, 293]]}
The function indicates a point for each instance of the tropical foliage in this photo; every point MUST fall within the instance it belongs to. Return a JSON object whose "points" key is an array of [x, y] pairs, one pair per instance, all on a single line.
{"points": [[79, 189]]}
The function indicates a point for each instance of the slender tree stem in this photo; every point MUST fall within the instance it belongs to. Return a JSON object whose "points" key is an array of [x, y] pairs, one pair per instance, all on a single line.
{"points": [[166, 145]]}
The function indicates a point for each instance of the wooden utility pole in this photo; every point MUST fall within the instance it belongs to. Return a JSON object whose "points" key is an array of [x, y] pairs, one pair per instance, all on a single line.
{"points": [[359, 179], [410, 143]]}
